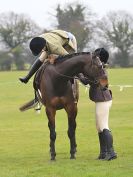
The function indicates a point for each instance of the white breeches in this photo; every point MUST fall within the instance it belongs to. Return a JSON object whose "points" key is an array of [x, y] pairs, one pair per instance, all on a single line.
{"points": [[102, 115], [73, 39]]}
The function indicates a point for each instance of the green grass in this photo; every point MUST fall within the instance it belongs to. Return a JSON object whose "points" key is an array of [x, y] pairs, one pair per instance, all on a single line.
{"points": [[24, 137]]}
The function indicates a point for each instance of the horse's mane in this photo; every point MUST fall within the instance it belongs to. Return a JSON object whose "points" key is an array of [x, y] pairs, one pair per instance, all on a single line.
{"points": [[65, 57]]}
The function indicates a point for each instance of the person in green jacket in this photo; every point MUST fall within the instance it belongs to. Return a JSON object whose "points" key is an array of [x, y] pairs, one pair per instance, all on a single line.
{"points": [[48, 46]]}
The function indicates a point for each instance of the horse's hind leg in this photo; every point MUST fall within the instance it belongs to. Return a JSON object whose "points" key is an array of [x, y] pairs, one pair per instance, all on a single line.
{"points": [[51, 124], [72, 113]]}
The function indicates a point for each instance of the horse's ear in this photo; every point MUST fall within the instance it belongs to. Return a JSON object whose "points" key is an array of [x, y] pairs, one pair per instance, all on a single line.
{"points": [[98, 62]]}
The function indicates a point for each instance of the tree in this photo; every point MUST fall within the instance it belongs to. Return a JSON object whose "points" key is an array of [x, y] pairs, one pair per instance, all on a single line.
{"points": [[5, 61], [73, 19], [16, 30], [117, 28]]}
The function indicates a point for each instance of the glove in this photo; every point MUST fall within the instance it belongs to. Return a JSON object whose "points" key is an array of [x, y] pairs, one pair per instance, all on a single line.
{"points": [[83, 79]]}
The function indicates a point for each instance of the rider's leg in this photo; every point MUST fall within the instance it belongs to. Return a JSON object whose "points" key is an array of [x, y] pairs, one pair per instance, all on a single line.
{"points": [[101, 115], [36, 65], [103, 148], [72, 41], [105, 137], [111, 154]]}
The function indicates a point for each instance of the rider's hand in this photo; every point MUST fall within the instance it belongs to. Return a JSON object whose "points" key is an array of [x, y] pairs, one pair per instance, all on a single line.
{"points": [[52, 58]]}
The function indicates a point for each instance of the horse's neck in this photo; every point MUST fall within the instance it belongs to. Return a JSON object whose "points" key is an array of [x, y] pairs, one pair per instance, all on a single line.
{"points": [[72, 66]]}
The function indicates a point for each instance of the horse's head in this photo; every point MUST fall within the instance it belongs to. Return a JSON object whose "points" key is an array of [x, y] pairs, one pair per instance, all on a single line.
{"points": [[95, 72], [94, 69]]}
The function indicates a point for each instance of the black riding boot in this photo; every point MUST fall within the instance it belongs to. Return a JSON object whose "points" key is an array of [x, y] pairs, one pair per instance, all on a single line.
{"points": [[103, 148], [110, 155], [36, 65]]}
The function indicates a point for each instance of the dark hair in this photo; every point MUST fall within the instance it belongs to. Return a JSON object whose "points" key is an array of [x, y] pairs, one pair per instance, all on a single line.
{"points": [[103, 54], [36, 45]]}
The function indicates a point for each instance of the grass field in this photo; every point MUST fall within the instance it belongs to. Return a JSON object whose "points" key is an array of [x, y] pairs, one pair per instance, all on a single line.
{"points": [[24, 137]]}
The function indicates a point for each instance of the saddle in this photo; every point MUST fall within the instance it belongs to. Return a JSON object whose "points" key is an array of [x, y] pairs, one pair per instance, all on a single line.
{"points": [[38, 75], [36, 84]]}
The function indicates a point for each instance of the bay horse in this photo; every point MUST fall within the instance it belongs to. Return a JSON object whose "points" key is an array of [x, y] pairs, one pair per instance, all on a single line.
{"points": [[55, 90]]}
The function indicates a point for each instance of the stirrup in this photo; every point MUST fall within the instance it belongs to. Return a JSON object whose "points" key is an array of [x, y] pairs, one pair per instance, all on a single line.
{"points": [[38, 108]]}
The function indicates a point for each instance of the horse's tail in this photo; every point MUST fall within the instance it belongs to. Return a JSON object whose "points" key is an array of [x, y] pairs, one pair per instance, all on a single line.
{"points": [[29, 105]]}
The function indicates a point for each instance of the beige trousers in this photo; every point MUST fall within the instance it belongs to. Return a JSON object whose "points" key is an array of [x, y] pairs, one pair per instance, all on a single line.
{"points": [[102, 115]]}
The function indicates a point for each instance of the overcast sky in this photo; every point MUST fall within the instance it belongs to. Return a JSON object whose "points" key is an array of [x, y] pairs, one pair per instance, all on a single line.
{"points": [[41, 11]]}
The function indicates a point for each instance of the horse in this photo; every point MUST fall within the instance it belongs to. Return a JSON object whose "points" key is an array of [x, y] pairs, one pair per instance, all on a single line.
{"points": [[56, 92]]}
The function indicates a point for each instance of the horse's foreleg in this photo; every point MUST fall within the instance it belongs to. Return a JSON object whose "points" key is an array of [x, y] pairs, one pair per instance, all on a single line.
{"points": [[72, 113], [51, 124]]}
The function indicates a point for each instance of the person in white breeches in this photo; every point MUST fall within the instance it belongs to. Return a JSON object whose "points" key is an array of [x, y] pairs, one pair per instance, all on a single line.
{"points": [[102, 96]]}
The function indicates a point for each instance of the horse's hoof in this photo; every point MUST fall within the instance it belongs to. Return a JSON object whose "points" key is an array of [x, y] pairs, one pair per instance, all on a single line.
{"points": [[72, 157], [53, 159], [53, 156]]}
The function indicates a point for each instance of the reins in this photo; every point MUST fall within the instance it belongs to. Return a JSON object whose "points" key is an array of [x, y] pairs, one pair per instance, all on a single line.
{"points": [[63, 75], [76, 77]]}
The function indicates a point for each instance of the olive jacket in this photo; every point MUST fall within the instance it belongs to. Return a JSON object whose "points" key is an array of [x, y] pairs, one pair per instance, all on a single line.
{"points": [[58, 42]]}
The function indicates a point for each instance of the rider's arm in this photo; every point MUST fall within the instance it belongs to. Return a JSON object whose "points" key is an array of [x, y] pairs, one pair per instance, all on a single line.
{"points": [[60, 51], [43, 56]]}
